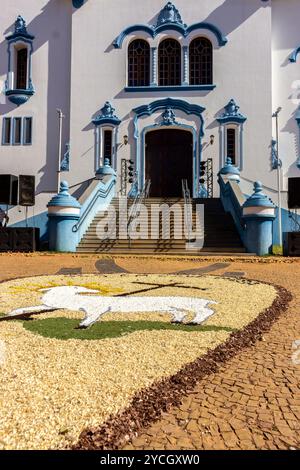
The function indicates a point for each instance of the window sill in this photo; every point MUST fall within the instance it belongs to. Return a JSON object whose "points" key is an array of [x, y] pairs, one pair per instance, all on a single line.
{"points": [[138, 89], [19, 97]]}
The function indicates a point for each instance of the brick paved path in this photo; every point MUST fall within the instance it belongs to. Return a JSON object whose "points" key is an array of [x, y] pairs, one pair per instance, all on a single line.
{"points": [[253, 402]]}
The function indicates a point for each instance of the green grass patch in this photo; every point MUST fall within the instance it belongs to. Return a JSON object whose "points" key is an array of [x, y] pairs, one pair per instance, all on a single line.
{"points": [[66, 328]]}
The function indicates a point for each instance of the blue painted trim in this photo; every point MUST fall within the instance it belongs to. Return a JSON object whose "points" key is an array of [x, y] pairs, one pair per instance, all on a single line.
{"points": [[98, 200], [138, 89], [231, 120], [187, 108], [196, 146], [101, 121], [15, 96], [153, 31], [294, 55]]}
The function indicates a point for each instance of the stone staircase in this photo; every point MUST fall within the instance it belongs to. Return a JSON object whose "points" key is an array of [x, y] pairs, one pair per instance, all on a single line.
{"points": [[220, 234]]}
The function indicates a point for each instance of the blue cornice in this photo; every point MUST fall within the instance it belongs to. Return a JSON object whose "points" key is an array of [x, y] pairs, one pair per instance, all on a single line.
{"points": [[170, 19], [294, 55], [153, 31], [231, 114], [170, 103], [138, 89]]}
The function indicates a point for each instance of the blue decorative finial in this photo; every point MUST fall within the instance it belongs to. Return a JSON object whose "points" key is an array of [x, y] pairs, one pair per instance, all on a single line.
{"points": [[231, 113], [64, 188], [257, 187], [258, 198], [106, 169], [63, 198], [169, 14], [20, 25], [230, 171], [107, 116]]}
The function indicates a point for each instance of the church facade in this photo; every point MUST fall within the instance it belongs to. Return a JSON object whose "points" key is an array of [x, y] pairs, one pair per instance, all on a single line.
{"points": [[155, 90]]}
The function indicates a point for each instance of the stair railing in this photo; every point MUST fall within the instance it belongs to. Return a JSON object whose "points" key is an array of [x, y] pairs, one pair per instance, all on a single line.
{"points": [[136, 206], [188, 213]]}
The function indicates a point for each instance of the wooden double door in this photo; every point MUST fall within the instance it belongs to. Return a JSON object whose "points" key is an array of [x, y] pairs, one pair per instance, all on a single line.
{"points": [[169, 160]]}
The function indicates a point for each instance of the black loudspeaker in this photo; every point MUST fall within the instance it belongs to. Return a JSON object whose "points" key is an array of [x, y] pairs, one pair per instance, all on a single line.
{"points": [[21, 239], [9, 190], [294, 193], [294, 244], [26, 190]]}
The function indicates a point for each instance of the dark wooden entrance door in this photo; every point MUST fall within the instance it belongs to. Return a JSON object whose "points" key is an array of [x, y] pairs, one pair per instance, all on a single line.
{"points": [[169, 160]]}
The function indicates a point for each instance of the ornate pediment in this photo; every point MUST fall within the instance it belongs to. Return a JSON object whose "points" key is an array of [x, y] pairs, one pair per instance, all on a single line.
{"points": [[169, 14]]}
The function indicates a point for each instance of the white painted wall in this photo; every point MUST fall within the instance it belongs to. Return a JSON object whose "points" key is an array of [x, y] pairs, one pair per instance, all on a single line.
{"points": [[76, 68], [242, 70], [50, 22], [286, 82]]}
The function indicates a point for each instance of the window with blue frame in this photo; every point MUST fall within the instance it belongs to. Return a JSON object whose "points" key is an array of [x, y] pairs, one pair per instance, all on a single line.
{"points": [[201, 62], [17, 131], [138, 63], [169, 63]]}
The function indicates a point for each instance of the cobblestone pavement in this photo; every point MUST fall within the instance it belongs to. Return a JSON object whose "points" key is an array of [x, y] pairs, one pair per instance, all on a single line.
{"points": [[253, 402]]}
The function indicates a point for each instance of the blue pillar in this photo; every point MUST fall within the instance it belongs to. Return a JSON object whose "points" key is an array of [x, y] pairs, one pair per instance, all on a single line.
{"points": [[259, 214], [63, 213]]}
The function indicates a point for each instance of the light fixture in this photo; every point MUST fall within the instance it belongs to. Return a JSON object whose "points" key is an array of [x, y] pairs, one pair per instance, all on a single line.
{"points": [[212, 139], [125, 139]]}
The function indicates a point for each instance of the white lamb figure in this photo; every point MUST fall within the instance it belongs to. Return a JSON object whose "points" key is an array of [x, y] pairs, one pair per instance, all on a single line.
{"points": [[69, 298]]}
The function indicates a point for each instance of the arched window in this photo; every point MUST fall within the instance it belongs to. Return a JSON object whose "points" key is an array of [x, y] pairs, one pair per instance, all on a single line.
{"points": [[139, 63], [201, 62], [21, 72], [169, 63]]}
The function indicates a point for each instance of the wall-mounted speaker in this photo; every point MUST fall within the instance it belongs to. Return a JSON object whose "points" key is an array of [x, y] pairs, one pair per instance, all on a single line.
{"points": [[26, 190], [294, 193], [9, 190]]}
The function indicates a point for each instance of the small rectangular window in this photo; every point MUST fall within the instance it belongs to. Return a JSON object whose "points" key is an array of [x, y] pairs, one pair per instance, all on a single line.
{"points": [[231, 145], [17, 131], [107, 144], [27, 131], [6, 131]]}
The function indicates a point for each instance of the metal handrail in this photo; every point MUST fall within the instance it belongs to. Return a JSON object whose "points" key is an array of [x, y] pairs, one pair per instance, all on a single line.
{"points": [[136, 206], [188, 217]]}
